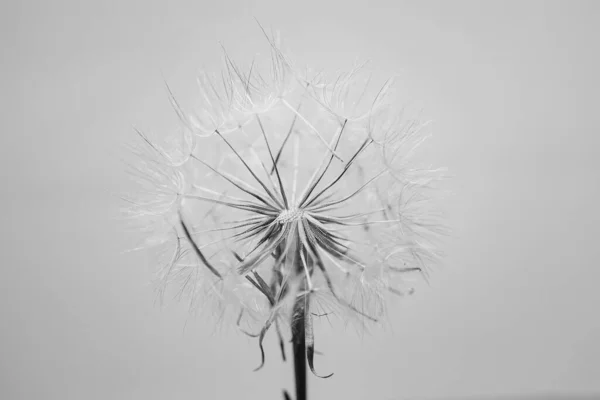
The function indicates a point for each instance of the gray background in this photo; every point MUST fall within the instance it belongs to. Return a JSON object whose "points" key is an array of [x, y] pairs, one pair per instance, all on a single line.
{"points": [[513, 89]]}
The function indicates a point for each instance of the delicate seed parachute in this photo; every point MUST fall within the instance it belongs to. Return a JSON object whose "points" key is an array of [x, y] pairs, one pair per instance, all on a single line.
{"points": [[287, 195]]}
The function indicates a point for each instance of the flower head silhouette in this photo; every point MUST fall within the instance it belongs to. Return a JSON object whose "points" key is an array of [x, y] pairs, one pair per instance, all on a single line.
{"points": [[287, 196]]}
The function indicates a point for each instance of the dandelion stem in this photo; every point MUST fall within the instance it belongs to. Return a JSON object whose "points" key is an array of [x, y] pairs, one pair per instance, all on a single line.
{"points": [[299, 347]]}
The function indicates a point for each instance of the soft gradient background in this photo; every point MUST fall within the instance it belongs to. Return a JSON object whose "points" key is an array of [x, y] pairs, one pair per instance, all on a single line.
{"points": [[513, 88]]}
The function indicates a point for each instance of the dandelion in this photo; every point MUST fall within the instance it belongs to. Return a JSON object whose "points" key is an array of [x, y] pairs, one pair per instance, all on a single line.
{"points": [[286, 197]]}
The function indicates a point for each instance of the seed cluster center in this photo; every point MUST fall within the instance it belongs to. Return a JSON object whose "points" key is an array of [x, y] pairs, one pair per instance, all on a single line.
{"points": [[291, 215]]}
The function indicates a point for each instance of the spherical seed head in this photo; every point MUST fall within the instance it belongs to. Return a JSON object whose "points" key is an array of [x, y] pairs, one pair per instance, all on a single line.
{"points": [[286, 172]]}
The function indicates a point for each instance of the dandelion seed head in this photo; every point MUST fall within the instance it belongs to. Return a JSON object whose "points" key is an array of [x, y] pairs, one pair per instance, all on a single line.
{"points": [[283, 185]]}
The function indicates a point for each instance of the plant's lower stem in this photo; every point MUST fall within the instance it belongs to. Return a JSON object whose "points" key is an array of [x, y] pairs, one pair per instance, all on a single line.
{"points": [[299, 346]]}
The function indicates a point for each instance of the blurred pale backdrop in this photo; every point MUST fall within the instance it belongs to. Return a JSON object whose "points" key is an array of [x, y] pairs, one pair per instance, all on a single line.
{"points": [[513, 90]]}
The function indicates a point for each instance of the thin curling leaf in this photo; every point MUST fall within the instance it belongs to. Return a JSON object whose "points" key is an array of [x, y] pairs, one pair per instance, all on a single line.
{"points": [[239, 326], [264, 288], [261, 338], [310, 340], [273, 315]]}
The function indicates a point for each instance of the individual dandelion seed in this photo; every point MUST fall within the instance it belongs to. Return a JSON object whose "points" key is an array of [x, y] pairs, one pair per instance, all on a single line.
{"points": [[288, 197]]}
